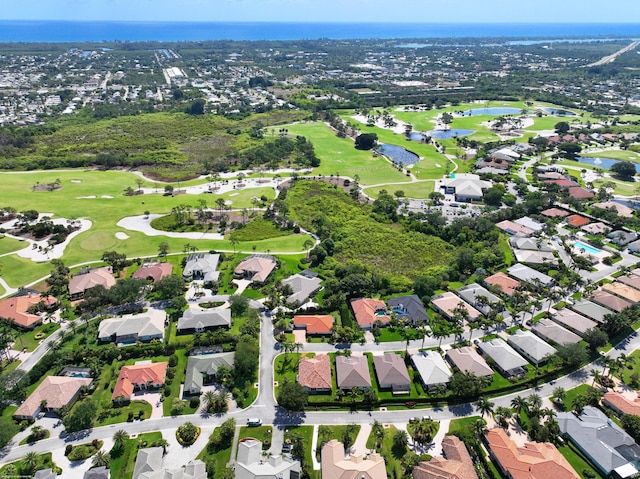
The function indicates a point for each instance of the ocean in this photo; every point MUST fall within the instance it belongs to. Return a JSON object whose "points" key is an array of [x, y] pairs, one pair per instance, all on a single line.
{"points": [[68, 31]]}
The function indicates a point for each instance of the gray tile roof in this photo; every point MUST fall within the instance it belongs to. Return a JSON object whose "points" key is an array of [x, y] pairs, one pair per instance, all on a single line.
{"points": [[410, 304], [591, 310], [471, 292], [202, 266], [506, 358], [525, 273], [194, 318], [431, 367], [205, 364], [530, 346], [547, 329], [132, 326], [302, 287]]}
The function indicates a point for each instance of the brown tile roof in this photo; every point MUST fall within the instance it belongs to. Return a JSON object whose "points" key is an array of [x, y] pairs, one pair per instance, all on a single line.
{"points": [[352, 371], [621, 210], [58, 391], [620, 403], [609, 300], [555, 213], [391, 370], [16, 308], [99, 276], [631, 280], [506, 283], [315, 372], [513, 228], [139, 374], [580, 193], [577, 221], [562, 183], [623, 290], [467, 359], [534, 460], [258, 268], [457, 465], [367, 311], [575, 321], [314, 323], [155, 271], [447, 302]]}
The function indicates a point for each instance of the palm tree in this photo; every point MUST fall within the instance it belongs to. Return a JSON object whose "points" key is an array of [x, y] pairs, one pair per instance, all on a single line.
{"points": [[324, 435], [209, 399], [424, 431], [480, 427], [595, 374], [101, 459], [519, 404], [164, 444], [400, 440], [559, 394], [484, 406], [377, 430], [354, 393], [31, 461], [119, 437], [534, 400]]}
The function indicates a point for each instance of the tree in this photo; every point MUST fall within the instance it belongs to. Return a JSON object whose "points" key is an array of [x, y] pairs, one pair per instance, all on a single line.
{"points": [[484, 405], [595, 338], [119, 437], [366, 141], [293, 396], [559, 394], [187, 433], [400, 441], [347, 436], [562, 128], [631, 424], [424, 430], [519, 404], [30, 462], [8, 429], [377, 430], [114, 259], [163, 248], [570, 149], [81, 416], [101, 459], [238, 305], [572, 355], [625, 169], [196, 107], [466, 384], [169, 286]]}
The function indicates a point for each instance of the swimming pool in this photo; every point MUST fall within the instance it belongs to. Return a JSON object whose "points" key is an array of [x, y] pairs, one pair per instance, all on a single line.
{"points": [[585, 247]]}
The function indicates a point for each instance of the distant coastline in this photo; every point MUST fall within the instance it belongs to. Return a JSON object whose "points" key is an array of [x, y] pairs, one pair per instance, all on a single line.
{"points": [[40, 31]]}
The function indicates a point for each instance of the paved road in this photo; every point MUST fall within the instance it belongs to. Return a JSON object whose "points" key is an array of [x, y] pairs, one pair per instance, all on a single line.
{"points": [[611, 58]]}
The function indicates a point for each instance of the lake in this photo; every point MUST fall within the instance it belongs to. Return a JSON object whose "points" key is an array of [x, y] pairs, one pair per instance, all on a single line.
{"points": [[448, 134], [397, 154], [605, 163], [496, 111]]}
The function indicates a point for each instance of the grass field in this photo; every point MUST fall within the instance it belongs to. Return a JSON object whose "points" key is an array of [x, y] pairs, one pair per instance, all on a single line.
{"points": [[8, 245], [419, 190], [124, 459], [626, 155]]}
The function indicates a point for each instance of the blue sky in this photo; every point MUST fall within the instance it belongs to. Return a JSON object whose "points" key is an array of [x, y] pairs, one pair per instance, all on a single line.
{"points": [[449, 11]]}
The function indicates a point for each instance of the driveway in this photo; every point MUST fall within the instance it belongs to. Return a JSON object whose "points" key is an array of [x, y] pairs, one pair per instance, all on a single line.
{"points": [[153, 398]]}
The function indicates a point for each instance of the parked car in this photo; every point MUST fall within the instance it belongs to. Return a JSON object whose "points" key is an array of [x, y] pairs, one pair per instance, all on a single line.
{"points": [[254, 422]]}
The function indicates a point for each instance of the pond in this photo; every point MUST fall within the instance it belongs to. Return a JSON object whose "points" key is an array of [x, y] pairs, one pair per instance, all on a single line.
{"points": [[605, 163], [492, 111], [559, 112], [448, 134], [397, 154]]}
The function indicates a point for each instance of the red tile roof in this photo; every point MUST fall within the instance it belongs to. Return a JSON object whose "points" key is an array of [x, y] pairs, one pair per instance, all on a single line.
{"points": [[534, 460], [315, 372], [620, 403], [554, 213], [367, 311], [562, 183], [577, 221], [457, 465], [150, 374], [314, 323], [16, 309], [155, 271], [580, 193]]}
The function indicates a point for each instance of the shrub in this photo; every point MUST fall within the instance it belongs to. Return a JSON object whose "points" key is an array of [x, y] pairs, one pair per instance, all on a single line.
{"points": [[187, 434], [194, 402]]}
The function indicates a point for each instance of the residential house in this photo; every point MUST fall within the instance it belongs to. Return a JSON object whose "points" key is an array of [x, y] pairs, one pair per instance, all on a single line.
{"points": [[532, 244], [368, 311], [555, 213], [590, 310], [634, 246], [581, 194], [465, 187], [149, 465], [552, 331], [320, 324], [250, 464], [392, 373], [314, 373], [508, 153], [53, 393], [507, 360], [196, 319], [534, 460], [16, 309], [621, 404], [202, 369], [457, 463], [534, 257], [609, 300], [97, 473], [336, 466], [467, 360], [577, 221], [514, 229], [45, 474], [256, 268], [153, 271], [130, 329], [531, 346], [141, 376], [408, 307], [353, 371], [505, 283], [623, 290], [630, 280], [201, 267], [87, 279], [302, 287], [433, 370], [622, 238], [530, 223], [480, 298], [598, 228], [525, 273], [447, 303], [604, 443]]}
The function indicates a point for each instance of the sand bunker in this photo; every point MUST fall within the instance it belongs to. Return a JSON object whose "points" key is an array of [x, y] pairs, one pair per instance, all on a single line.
{"points": [[85, 197], [107, 197], [39, 252], [76, 181], [228, 202], [122, 235]]}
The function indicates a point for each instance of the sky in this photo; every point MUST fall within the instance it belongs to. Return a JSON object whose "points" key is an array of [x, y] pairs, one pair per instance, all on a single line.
{"points": [[392, 11]]}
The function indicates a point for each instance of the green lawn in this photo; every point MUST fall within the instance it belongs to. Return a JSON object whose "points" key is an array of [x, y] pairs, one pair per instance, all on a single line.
{"points": [[635, 368], [7, 245], [463, 425], [339, 156], [626, 155], [124, 459], [28, 338], [418, 189], [44, 461], [104, 213], [391, 456], [178, 379], [580, 463], [306, 433], [221, 457], [261, 433], [572, 393]]}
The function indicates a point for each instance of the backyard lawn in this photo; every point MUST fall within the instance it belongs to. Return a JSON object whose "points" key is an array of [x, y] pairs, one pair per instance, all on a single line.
{"points": [[123, 459]]}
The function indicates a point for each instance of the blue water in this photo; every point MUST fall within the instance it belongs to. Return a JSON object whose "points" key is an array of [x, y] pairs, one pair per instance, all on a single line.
{"points": [[605, 163], [398, 154], [582, 246], [559, 112], [96, 31], [448, 134], [492, 111]]}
